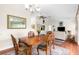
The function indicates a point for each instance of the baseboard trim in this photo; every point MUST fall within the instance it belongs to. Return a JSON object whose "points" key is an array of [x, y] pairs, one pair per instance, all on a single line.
{"points": [[2, 52]]}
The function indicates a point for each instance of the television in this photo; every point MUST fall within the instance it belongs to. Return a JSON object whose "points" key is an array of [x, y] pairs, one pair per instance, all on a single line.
{"points": [[61, 28]]}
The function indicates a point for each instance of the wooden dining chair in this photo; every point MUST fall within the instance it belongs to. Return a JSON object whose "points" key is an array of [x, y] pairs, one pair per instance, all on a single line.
{"points": [[31, 34], [44, 45], [18, 50], [48, 39], [51, 37], [23, 44], [51, 41]]}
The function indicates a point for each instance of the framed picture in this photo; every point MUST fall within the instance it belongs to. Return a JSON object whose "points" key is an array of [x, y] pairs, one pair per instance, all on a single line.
{"points": [[43, 27], [15, 22], [33, 26], [38, 27]]}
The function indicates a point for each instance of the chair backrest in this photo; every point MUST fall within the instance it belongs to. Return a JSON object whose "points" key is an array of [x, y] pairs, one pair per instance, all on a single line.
{"points": [[49, 32], [31, 34], [71, 40], [50, 38], [42, 37], [15, 44], [47, 35]]}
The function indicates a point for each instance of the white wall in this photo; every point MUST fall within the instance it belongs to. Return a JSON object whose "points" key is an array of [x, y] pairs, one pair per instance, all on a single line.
{"points": [[69, 25], [78, 29], [16, 10], [58, 12]]}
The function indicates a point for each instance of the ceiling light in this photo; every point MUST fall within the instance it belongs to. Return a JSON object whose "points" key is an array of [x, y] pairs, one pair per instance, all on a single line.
{"points": [[32, 8]]}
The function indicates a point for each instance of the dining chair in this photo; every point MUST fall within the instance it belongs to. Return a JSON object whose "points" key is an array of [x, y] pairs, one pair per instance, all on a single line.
{"points": [[51, 39], [23, 44], [31, 34], [71, 40], [18, 50], [44, 45], [48, 41]]}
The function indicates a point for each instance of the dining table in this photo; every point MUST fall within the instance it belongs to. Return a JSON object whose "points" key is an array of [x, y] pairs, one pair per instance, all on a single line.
{"points": [[31, 41]]}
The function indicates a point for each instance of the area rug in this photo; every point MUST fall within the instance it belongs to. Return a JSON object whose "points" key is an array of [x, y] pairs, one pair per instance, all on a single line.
{"points": [[56, 51]]}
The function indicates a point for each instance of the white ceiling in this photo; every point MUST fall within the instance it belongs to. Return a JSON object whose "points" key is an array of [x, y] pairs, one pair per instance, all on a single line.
{"points": [[59, 11]]}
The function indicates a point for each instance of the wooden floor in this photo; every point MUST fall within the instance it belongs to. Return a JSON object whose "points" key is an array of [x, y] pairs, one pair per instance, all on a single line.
{"points": [[71, 45]]}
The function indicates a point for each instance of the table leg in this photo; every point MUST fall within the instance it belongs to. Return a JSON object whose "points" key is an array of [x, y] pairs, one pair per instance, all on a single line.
{"points": [[30, 50]]}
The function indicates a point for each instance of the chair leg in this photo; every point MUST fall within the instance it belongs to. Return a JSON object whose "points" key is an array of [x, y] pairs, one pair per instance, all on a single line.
{"points": [[38, 51], [53, 45], [30, 50], [16, 52], [46, 50], [50, 50]]}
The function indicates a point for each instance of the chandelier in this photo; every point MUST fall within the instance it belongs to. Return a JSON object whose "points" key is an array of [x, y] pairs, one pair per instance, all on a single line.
{"points": [[32, 8]]}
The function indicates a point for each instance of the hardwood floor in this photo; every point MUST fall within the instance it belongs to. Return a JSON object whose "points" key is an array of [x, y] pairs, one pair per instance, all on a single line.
{"points": [[3, 52], [70, 45]]}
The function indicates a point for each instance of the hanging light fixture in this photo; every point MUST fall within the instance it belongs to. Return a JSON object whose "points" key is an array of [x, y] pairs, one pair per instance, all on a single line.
{"points": [[32, 8]]}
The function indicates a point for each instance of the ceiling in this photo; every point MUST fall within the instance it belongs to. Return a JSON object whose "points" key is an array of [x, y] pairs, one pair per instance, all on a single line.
{"points": [[59, 11]]}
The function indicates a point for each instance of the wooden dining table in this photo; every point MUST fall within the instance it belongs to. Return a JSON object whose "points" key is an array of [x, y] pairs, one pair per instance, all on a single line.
{"points": [[31, 41]]}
